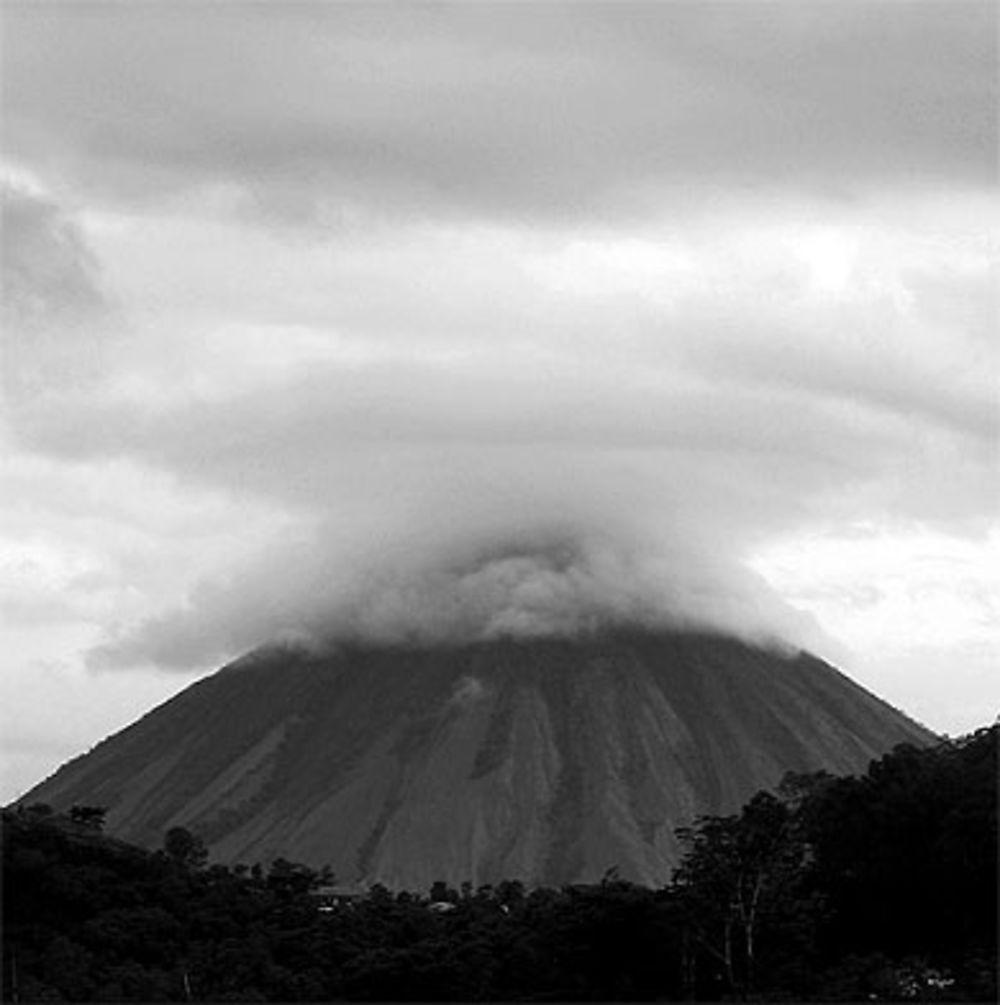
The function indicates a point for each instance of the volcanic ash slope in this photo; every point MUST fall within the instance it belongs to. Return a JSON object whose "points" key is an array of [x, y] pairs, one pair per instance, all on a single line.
{"points": [[546, 760]]}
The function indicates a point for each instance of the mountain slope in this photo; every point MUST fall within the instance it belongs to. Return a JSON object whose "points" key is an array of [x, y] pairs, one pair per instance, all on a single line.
{"points": [[548, 760]]}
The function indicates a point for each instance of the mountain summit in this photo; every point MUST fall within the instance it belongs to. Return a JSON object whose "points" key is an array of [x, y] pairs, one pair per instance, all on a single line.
{"points": [[548, 760]]}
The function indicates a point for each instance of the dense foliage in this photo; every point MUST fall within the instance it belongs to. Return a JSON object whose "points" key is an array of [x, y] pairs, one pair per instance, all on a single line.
{"points": [[882, 887]]}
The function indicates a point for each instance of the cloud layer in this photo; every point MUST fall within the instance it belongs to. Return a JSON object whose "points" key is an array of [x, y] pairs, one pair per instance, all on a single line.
{"points": [[542, 558], [509, 109], [411, 321], [658, 407]]}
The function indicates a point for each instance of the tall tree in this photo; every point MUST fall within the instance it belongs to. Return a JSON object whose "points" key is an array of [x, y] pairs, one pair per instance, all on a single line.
{"points": [[734, 873]]}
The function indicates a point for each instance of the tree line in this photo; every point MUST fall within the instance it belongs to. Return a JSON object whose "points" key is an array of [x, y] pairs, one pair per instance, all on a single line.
{"points": [[877, 887]]}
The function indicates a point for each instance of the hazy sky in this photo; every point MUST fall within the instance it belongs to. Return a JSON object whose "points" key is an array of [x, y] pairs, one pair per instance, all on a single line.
{"points": [[373, 316]]}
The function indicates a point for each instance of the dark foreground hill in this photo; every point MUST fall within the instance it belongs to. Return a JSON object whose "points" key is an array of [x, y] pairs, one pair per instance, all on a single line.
{"points": [[545, 760], [875, 888]]}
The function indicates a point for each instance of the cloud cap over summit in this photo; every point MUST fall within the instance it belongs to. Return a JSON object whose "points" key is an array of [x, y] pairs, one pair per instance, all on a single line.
{"points": [[304, 296]]}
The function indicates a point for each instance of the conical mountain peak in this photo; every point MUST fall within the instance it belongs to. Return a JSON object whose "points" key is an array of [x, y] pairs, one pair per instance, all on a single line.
{"points": [[545, 759]]}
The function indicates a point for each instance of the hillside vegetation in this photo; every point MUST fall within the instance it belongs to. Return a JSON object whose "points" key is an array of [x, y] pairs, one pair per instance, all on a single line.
{"points": [[878, 887]]}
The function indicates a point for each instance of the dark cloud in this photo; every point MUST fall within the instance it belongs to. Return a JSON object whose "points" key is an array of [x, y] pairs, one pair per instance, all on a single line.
{"points": [[56, 312], [49, 273], [512, 109]]}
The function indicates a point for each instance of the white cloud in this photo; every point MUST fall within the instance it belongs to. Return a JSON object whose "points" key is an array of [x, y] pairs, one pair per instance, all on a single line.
{"points": [[474, 281], [892, 586], [917, 609], [707, 378]]}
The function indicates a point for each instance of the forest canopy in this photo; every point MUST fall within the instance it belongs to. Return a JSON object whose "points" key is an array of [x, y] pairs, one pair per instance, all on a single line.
{"points": [[878, 887]]}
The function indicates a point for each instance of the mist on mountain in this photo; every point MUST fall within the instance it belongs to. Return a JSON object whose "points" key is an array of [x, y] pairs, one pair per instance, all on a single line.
{"points": [[547, 559]]}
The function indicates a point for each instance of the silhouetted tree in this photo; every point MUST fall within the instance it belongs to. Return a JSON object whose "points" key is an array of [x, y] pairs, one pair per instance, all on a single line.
{"points": [[776, 901], [185, 848], [88, 816]]}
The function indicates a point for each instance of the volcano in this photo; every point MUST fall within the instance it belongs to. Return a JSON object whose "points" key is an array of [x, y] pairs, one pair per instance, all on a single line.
{"points": [[548, 760]]}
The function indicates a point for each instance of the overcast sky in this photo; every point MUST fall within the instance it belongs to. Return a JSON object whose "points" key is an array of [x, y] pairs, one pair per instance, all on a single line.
{"points": [[385, 318]]}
